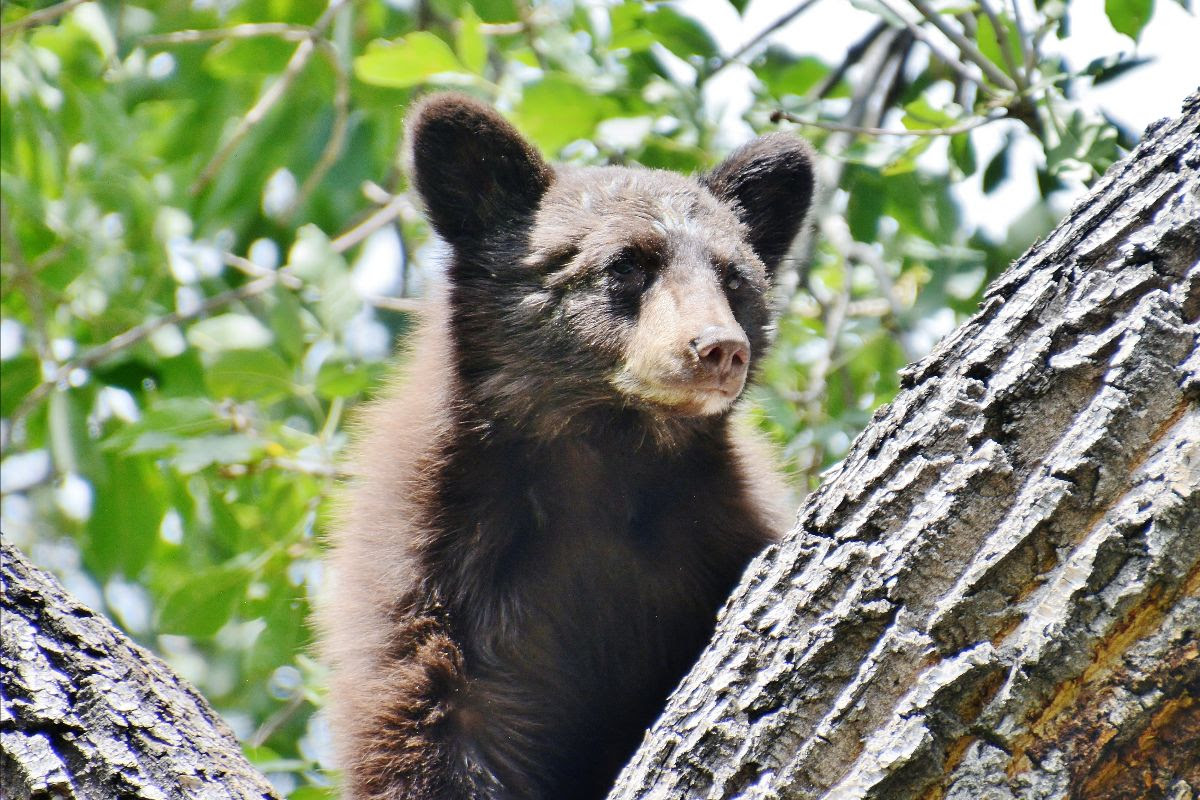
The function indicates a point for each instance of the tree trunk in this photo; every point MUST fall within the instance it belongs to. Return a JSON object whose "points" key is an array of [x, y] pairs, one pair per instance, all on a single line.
{"points": [[997, 593], [85, 713]]}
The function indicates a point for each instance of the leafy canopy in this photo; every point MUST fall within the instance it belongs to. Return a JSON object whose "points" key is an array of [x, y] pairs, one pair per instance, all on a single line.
{"points": [[208, 249]]}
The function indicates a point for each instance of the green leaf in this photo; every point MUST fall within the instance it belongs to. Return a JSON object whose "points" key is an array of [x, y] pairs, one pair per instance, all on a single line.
{"points": [[1087, 148], [668, 154], [239, 59], [193, 455], [18, 377], [680, 34], [1107, 68], [907, 161], [228, 332], [920, 116], [557, 110], [407, 61], [985, 38], [62, 272], [339, 301], [164, 424], [286, 323], [340, 378], [206, 602], [629, 31], [962, 153], [865, 204], [996, 172], [312, 793], [127, 509], [313, 258], [496, 10], [250, 375], [1129, 16], [784, 74], [312, 255], [469, 41]]}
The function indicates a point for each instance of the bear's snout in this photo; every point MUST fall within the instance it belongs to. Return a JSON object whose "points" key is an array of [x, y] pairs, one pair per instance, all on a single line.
{"points": [[722, 356]]}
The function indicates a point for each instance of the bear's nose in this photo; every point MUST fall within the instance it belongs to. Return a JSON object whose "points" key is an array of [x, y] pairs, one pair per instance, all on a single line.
{"points": [[722, 356]]}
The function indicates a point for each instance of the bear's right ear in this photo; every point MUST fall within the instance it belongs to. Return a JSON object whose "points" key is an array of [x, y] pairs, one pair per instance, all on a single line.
{"points": [[769, 182], [472, 168]]}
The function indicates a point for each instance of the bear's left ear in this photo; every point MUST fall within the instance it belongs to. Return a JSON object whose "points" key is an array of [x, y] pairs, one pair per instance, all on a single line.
{"points": [[769, 182], [473, 170]]}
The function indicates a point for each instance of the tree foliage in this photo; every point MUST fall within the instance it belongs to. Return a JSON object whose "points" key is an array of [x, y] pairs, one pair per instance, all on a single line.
{"points": [[209, 245]]}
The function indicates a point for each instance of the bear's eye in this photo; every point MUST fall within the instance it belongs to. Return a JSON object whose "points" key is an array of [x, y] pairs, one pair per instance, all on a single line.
{"points": [[627, 274], [624, 265], [732, 277]]}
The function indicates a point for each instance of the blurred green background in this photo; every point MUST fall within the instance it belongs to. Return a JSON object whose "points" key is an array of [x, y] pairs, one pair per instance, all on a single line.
{"points": [[209, 250]]}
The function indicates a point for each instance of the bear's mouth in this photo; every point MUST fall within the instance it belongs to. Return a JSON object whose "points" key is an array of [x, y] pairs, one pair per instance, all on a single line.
{"points": [[677, 397]]}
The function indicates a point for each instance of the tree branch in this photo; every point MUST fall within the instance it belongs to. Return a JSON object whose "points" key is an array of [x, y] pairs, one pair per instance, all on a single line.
{"points": [[39, 17], [953, 63], [964, 45], [269, 98], [755, 40], [970, 125], [337, 136], [89, 714]]}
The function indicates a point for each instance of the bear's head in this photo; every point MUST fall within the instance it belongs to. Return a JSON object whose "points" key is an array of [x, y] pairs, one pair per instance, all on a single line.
{"points": [[619, 289]]}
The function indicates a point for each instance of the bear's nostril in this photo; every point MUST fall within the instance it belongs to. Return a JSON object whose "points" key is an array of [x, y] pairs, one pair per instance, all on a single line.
{"points": [[721, 355], [713, 355]]}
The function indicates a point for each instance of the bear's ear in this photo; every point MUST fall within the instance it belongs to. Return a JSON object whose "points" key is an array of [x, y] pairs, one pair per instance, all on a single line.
{"points": [[769, 182], [472, 168]]}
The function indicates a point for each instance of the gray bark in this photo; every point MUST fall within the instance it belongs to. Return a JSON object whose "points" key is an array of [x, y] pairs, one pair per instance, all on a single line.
{"points": [[997, 593], [85, 713]]}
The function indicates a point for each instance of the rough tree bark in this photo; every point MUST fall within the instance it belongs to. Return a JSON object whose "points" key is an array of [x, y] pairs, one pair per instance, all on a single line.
{"points": [[997, 594], [85, 713]]}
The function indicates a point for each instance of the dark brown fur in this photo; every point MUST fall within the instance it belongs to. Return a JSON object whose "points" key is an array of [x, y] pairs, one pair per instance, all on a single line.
{"points": [[554, 501]]}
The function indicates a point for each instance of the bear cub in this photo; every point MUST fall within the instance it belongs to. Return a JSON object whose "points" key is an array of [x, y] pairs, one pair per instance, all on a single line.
{"points": [[553, 503]]}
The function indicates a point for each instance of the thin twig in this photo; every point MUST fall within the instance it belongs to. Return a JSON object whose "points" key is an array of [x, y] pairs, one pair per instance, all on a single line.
{"points": [[269, 98], [880, 64], [288, 278], [754, 41], [316, 469], [255, 115], [276, 720], [245, 265], [395, 207], [122, 341], [501, 28], [853, 55], [1003, 43], [869, 131], [405, 304], [867, 254], [965, 46], [23, 276], [1030, 53], [525, 15], [279, 30], [40, 17], [337, 136], [834, 318], [952, 63]]}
